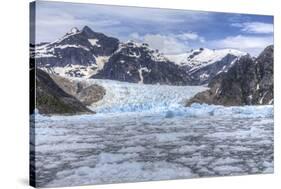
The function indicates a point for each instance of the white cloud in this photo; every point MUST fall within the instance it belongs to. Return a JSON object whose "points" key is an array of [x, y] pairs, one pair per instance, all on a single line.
{"points": [[168, 44], [52, 25], [155, 15], [55, 18], [135, 36], [187, 36], [191, 36], [255, 27], [250, 44]]}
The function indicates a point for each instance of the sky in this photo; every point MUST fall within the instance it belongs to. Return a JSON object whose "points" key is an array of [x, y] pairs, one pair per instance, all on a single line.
{"points": [[169, 30]]}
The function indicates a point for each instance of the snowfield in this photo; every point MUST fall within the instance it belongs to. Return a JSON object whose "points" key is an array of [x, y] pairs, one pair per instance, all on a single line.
{"points": [[143, 132], [205, 57]]}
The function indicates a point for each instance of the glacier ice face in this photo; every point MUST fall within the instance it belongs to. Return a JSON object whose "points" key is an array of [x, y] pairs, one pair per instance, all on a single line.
{"points": [[131, 97], [200, 110], [123, 97]]}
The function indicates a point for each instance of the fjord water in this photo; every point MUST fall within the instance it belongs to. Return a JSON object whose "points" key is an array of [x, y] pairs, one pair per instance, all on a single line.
{"points": [[143, 132]]}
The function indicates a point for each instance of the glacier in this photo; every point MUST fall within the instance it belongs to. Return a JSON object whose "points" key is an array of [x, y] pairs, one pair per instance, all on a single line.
{"points": [[132, 97], [144, 133], [124, 97]]}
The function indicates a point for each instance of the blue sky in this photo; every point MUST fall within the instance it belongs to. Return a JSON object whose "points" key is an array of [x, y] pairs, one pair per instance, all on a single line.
{"points": [[171, 31]]}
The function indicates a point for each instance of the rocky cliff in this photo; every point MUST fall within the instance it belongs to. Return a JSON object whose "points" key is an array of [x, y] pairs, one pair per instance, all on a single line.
{"points": [[51, 99], [248, 82]]}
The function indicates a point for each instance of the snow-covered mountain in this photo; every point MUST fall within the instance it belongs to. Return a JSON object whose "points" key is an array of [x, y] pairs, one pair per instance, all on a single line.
{"points": [[203, 64], [77, 53], [138, 63], [248, 82], [85, 53], [88, 54]]}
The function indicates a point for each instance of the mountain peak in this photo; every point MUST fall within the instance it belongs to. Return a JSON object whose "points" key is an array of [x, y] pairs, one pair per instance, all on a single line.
{"points": [[87, 29], [203, 55], [74, 30]]}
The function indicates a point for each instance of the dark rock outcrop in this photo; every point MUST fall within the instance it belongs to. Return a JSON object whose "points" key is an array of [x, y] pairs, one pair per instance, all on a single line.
{"points": [[91, 94], [203, 64], [248, 82], [137, 63], [87, 94], [51, 99], [205, 74], [87, 53]]}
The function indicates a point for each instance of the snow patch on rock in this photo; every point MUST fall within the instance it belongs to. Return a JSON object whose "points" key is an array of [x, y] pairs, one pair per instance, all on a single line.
{"points": [[94, 42]]}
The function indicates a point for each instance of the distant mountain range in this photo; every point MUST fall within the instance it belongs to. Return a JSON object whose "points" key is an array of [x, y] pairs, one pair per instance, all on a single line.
{"points": [[234, 77], [90, 54]]}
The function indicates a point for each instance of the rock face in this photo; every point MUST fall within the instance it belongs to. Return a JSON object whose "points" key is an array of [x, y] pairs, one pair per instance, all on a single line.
{"points": [[75, 54], [87, 94], [248, 82], [51, 99], [87, 54], [91, 94], [203, 64], [205, 74], [137, 63], [265, 76], [90, 54]]}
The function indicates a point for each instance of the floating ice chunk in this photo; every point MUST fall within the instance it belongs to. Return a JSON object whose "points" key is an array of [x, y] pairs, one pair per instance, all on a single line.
{"points": [[132, 149], [170, 114], [111, 158], [226, 169], [121, 172], [197, 110]]}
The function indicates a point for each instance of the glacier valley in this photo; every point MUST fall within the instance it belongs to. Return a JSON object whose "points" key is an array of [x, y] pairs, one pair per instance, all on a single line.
{"points": [[144, 132]]}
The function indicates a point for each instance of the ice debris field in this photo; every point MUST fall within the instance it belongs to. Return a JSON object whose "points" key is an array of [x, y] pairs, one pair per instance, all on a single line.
{"points": [[143, 132]]}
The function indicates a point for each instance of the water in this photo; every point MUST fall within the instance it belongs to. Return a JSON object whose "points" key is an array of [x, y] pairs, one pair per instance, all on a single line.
{"points": [[130, 143], [127, 148]]}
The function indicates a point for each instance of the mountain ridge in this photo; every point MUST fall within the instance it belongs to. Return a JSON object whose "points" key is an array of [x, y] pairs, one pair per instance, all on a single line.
{"points": [[248, 82], [89, 54], [51, 99], [137, 63], [203, 64]]}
